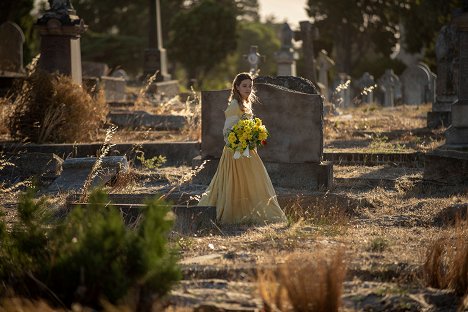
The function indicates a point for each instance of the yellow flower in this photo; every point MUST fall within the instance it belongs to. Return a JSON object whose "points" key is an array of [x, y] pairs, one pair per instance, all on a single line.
{"points": [[232, 138]]}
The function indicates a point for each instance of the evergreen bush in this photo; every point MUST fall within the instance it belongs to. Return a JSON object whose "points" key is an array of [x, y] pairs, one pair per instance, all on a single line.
{"points": [[89, 256]]}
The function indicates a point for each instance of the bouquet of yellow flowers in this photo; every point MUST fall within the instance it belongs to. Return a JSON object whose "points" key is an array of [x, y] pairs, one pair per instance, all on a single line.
{"points": [[246, 135]]}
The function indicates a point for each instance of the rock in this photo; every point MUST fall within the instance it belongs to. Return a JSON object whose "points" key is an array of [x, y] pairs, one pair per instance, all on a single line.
{"points": [[45, 165]]}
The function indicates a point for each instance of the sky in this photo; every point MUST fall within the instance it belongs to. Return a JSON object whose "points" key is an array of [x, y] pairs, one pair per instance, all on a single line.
{"points": [[291, 10]]}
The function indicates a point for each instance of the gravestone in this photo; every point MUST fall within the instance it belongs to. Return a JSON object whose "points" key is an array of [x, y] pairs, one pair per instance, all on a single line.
{"points": [[94, 69], [390, 84], [307, 34], [447, 77], [114, 89], [417, 84], [11, 48], [285, 56], [324, 64], [294, 152], [253, 58], [366, 85], [457, 133], [60, 29]]}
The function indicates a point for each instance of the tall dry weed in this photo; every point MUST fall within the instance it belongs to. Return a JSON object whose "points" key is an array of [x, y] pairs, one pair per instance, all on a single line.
{"points": [[446, 264], [52, 108], [305, 282]]}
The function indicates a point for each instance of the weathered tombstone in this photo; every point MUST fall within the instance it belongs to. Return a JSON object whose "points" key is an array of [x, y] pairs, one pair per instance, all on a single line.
{"points": [[389, 83], [447, 77], [324, 64], [60, 29], [114, 89], [11, 48], [431, 94], [285, 56], [457, 133], [416, 81], [120, 73], [307, 34], [295, 147], [366, 85], [94, 69], [253, 58]]}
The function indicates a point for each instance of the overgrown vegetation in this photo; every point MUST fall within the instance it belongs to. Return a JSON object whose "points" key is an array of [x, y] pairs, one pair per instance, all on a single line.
{"points": [[291, 287], [89, 257], [51, 108]]}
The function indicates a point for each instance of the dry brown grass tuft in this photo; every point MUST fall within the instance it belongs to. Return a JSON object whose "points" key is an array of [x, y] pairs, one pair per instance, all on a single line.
{"points": [[446, 264], [51, 108], [305, 282]]}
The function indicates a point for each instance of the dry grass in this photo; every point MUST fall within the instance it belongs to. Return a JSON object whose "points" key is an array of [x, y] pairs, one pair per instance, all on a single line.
{"points": [[305, 282], [446, 264], [51, 108]]}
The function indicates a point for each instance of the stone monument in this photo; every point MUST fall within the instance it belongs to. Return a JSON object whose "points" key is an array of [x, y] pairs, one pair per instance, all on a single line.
{"points": [[418, 85], [11, 48], [285, 56], [324, 64], [307, 34], [60, 29], [253, 58], [390, 84], [457, 133], [447, 77], [155, 55]]}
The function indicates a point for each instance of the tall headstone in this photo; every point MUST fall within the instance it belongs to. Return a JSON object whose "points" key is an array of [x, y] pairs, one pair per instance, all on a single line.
{"points": [[366, 85], [324, 64], [390, 84], [285, 56], [447, 77], [307, 34], [60, 29], [11, 48], [155, 56], [418, 85], [457, 133]]}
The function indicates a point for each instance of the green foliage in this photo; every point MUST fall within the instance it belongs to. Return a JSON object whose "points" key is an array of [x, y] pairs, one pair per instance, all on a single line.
{"points": [[90, 255], [356, 28], [202, 36], [151, 163]]}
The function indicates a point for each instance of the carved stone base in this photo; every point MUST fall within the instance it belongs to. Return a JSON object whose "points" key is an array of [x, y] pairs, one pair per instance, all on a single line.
{"points": [[457, 136], [302, 176]]}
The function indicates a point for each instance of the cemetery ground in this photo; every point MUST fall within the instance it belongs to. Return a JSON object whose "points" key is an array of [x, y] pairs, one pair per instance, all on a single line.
{"points": [[375, 229]]}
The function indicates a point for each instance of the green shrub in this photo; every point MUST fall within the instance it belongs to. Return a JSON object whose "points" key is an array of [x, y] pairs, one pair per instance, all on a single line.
{"points": [[51, 108], [88, 257]]}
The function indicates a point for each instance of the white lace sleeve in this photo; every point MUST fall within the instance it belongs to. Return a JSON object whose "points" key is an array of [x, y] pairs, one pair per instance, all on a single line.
{"points": [[228, 124]]}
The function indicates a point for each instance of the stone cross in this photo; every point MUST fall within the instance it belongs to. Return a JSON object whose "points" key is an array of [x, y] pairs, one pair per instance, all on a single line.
{"points": [[366, 85], [457, 133], [307, 34], [285, 56], [324, 64], [11, 48], [254, 58], [389, 83], [155, 56]]}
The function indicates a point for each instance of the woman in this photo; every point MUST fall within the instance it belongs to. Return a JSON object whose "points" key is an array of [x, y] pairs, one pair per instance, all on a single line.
{"points": [[241, 189]]}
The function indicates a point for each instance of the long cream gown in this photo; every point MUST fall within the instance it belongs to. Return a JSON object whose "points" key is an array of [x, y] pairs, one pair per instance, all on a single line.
{"points": [[241, 189]]}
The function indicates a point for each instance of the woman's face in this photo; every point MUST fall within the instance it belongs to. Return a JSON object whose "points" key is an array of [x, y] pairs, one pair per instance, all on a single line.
{"points": [[244, 88]]}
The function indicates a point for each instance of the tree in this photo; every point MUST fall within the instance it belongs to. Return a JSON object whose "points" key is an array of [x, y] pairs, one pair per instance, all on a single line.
{"points": [[357, 27], [203, 35]]}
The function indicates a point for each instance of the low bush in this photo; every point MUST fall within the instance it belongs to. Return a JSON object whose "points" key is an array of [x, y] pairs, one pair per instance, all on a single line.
{"points": [[89, 257], [52, 108]]}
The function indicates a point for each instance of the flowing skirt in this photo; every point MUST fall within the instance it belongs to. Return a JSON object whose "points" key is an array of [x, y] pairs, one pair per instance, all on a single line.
{"points": [[242, 191]]}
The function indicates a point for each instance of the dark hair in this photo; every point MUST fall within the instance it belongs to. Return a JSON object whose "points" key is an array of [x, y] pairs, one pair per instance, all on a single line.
{"points": [[235, 93]]}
